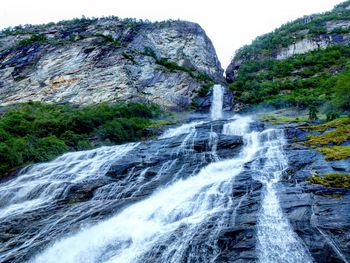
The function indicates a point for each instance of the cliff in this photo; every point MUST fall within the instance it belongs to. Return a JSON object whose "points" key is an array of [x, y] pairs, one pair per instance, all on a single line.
{"points": [[87, 61], [303, 35], [304, 63]]}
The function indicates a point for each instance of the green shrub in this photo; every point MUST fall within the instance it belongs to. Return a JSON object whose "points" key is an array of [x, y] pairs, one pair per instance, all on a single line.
{"points": [[298, 81], [35, 38], [341, 91], [35, 132]]}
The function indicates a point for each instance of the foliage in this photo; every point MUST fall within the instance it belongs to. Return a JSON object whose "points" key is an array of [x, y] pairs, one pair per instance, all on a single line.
{"points": [[300, 81], [35, 38], [313, 112], [173, 66], [341, 95], [331, 180], [36, 132], [335, 152], [337, 123], [205, 88], [129, 57], [289, 33], [110, 39], [335, 133]]}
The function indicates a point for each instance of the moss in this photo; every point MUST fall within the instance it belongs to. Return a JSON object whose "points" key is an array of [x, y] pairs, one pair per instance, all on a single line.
{"points": [[336, 137], [331, 180], [73, 201], [282, 119], [159, 123], [334, 195], [337, 123], [129, 57], [340, 134], [335, 152]]}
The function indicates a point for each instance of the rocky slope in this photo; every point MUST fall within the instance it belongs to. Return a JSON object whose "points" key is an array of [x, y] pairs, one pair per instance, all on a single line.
{"points": [[86, 61], [298, 37], [319, 219]]}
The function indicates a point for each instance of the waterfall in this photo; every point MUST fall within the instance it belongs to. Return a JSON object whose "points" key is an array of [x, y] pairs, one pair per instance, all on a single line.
{"points": [[217, 102], [183, 129], [277, 241], [153, 214], [181, 207], [43, 183]]}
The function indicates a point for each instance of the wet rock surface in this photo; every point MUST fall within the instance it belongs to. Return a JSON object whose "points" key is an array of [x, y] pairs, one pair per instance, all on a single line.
{"points": [[320, 220]]}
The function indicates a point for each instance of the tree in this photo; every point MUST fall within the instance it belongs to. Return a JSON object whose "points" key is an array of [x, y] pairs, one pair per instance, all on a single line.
{"points": [[341, 94]]}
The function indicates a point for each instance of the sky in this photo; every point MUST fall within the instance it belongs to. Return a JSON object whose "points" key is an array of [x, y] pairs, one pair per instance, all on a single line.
{"points": [[230, 24]]}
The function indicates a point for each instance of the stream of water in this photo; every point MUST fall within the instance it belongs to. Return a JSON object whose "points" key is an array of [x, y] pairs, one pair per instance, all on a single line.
{"points": [[162, 226]]}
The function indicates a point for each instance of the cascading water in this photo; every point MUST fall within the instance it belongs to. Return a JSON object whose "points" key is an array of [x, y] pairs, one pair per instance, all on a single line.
{"points": [[217, 102], [135, 233], [46, 182], [277, 241], [142, 215]]}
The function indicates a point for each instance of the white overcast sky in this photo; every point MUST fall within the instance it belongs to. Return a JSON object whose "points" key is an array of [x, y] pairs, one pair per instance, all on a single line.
{"points": [[229, 23]]}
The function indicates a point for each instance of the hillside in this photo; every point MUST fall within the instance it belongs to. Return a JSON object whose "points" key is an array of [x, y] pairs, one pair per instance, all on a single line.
{"points": [[302, 63], [87, 61]]}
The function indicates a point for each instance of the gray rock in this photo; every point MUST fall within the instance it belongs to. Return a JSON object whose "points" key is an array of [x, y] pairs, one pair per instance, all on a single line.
{"points": [[106, 60]]}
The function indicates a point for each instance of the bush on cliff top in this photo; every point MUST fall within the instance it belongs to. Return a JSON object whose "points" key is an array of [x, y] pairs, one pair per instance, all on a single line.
{"points": [[35, 132]]}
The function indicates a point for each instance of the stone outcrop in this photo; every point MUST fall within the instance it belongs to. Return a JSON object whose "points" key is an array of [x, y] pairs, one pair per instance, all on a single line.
{"points": [[90, 61]]}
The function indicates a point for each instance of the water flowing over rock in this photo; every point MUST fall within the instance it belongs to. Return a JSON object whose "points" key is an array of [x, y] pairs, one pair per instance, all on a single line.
{"points": [[217, 100], [213, 196], [228, 190]]}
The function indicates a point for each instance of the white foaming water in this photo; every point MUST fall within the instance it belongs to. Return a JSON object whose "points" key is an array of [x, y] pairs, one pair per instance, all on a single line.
{"points": [[183, 129], [238, 127], [181, 206], [277, 241], [45, 182], [217, 102]]}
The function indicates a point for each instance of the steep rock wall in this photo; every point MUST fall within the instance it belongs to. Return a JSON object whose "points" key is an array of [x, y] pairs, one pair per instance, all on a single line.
{"points": [[89, 61]]}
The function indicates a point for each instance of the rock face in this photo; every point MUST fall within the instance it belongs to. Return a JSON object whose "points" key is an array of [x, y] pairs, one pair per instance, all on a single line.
{"points": [[89, 61], [319, 219]]}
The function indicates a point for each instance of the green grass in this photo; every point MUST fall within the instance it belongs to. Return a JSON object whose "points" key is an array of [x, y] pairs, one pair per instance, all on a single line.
{"points": [[331, 180], [282, 119], [286, 115], [337, 123], [335, 152], [160, 123], [35, 132], [335, 137]]}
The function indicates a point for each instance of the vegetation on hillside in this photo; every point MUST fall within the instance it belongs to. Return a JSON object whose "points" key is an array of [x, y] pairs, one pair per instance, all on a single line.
{"points": [[35, 132], [310, 80], [311, 26], [314, 78]]}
